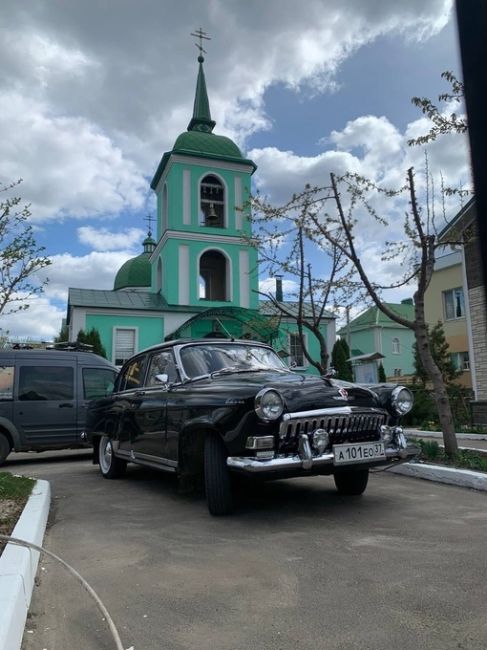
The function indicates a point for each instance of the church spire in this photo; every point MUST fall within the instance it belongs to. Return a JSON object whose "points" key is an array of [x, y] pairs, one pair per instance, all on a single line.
{"points": [[201, 120]]}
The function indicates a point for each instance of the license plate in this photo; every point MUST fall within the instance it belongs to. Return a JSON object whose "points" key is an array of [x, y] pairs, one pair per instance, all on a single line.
{"points": [[359, 453]]}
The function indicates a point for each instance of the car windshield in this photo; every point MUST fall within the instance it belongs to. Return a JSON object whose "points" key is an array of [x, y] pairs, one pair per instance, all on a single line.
{"points": [[205, 359]]}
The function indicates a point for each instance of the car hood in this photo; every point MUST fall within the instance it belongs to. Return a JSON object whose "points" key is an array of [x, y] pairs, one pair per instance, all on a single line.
{"points": [[299, 393]]}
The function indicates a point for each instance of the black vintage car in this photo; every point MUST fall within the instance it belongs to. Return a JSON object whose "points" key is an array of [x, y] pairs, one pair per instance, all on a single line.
{"points": [[220, 407]]}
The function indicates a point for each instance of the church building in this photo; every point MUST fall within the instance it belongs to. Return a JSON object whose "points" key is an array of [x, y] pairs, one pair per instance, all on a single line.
{"points": [[197, 275]]}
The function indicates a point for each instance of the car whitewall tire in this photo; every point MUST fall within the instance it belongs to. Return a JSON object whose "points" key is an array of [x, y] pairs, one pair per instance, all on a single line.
{"points": [[110, 465]]}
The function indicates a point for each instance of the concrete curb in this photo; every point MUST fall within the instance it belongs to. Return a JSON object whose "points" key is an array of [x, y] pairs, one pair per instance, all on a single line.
{"points": [[18, 567], [439, 434], [450, 475]]}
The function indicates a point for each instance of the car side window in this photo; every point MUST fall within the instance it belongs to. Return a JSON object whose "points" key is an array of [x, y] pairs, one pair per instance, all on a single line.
{"points": [[6, 382], [46, 383], [97, 382], [133, 375], [160, 363]]}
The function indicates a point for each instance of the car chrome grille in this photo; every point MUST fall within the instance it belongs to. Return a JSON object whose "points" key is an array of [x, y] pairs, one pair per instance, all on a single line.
{"points": [[353, 426]]}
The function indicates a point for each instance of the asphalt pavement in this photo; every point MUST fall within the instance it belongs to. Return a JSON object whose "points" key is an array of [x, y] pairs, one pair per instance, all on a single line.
{"points": [[297, 566]]}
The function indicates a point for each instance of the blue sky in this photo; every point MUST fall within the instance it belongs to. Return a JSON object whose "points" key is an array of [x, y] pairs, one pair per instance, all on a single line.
{"points": [[91, 99]]}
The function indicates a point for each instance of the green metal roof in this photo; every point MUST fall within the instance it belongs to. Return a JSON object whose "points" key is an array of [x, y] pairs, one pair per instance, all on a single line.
{"points": [[195, 142], [136, 300], [135, 272], [199, 140], [373, 317], [201, 120]]}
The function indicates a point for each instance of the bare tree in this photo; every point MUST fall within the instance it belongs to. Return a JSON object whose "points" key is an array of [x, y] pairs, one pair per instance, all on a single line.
{"points": [[416, 250], [20, 256], [279, 236]]}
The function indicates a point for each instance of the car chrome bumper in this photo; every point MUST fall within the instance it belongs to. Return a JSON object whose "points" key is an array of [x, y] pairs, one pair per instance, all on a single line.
{"points": [[305, 461]]}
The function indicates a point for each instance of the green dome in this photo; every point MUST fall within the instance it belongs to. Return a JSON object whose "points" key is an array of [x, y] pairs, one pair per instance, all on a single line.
{"points": [[136, 272], [206, 143]]}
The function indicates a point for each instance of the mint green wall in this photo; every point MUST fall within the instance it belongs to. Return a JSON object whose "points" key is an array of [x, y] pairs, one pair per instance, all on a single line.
{"points": [[150, 329], [174, 181], [171, 279], [405, 359], [363, 340], [368, 341], [170, 251]]}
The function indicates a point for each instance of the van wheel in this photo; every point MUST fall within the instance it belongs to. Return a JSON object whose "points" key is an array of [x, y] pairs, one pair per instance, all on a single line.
{"points": [[110, 465], [218, 482], [351, 482], [4, 448]]}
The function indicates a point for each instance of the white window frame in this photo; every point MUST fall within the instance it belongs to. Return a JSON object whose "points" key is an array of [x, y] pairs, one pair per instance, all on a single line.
{"points": [[461, 360], [115, 331], [305, 340], [453, 293], [396, 345]]}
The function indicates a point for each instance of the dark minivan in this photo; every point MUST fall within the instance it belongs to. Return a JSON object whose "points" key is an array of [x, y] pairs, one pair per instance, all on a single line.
{"points": [[44, 396]]}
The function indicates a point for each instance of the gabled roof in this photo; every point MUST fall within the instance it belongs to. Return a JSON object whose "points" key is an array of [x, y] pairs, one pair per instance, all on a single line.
{"points": [[374, 317]]}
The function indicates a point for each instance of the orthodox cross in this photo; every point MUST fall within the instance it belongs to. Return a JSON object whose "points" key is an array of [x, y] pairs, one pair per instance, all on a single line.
{"points": [[199, 33], [149, 218]]}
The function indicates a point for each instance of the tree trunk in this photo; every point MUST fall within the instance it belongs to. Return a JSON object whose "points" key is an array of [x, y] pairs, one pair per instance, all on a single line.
{"points": [[440, 392]]}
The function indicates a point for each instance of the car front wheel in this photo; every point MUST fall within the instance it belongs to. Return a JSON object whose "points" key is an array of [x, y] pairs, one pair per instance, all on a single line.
{"points": [[218, 484], [110, 465], [351, 482]]}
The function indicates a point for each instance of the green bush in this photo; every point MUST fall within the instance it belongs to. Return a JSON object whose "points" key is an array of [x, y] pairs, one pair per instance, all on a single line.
{"points": [[424, 414]]}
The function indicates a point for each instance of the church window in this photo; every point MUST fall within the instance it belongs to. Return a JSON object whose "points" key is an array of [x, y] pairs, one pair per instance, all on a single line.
{"points": [[213, 276], [212, 202]]}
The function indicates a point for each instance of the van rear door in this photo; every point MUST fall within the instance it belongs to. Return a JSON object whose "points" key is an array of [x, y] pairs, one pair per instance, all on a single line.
{"points": [[45, 408]]}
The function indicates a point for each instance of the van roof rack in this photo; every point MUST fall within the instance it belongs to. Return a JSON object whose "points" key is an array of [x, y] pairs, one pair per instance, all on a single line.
{"points": [[71, 345]]}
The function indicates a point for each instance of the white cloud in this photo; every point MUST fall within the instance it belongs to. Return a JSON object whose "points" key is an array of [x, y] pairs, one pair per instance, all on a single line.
{"points": [[101, 239], [289, 287], [70, 169]]}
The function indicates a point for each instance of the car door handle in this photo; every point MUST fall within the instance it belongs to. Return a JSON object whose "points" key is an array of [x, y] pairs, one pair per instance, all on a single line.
{"points": [[66, 405]]}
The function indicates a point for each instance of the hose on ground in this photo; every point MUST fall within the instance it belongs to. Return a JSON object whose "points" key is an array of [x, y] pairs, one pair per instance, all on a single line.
{"points": [[89, 589]]}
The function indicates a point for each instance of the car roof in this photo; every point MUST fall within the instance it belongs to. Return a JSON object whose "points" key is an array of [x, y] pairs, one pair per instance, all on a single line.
{"points": [[37, 355]]}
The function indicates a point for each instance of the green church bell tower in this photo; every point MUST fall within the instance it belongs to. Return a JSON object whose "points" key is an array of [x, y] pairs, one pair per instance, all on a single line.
{"points": [[203, 187]]}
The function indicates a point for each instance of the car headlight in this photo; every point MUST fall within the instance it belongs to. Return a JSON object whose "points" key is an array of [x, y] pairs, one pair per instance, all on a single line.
{"points": [[402, 400], [269, 404]]}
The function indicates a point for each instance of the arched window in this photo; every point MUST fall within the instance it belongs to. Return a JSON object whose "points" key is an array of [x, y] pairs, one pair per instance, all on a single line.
{"points": [[212, 202], [396, 346], [213, 276]]}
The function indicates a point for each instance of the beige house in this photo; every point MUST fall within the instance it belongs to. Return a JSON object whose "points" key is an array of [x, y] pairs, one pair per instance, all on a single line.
{"points": [[464, 228], [445, 303]]}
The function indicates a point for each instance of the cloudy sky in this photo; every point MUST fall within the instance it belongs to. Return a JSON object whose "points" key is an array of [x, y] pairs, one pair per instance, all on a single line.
{"points": [[93, 92]]}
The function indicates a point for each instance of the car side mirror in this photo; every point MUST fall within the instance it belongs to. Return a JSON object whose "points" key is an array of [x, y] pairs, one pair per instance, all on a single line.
{"points": [[163, 378]]}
